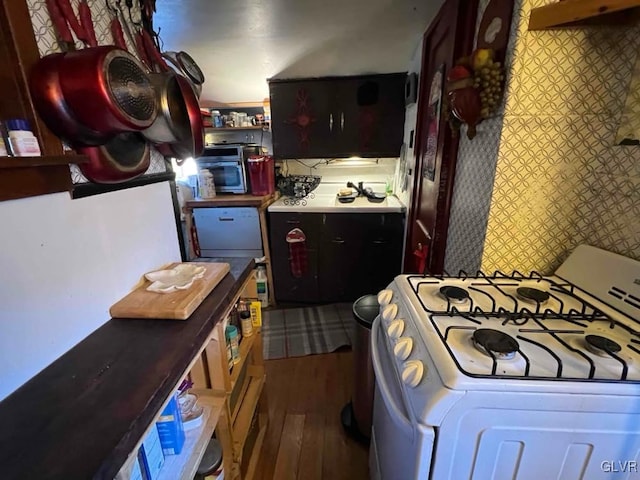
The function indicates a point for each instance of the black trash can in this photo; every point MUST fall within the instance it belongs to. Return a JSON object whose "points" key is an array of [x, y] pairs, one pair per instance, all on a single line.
{"points": [[356, 415]]}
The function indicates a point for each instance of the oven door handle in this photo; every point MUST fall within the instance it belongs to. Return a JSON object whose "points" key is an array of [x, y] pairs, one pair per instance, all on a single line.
{"points": [[396, 414]]}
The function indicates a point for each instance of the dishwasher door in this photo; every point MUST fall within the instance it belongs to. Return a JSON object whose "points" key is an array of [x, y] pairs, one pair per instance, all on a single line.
{"points": [[228, 231]]}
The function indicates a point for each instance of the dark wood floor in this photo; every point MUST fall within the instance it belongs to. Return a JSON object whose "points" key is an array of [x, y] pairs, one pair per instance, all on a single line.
{"points": [[305, 439]]}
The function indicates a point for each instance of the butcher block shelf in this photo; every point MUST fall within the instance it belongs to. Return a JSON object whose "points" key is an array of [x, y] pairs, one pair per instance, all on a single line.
{"points": [[578, 13], [177, 305], [83, 415]]}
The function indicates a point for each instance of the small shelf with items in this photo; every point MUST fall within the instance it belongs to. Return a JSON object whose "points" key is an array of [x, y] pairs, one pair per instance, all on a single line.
{"points": [[241, 432], [186, 463], [236, 129], [580, 13]]}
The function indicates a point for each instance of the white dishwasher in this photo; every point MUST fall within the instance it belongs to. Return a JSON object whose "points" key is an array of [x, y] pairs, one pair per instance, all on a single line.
{"points": [[228, 231]]}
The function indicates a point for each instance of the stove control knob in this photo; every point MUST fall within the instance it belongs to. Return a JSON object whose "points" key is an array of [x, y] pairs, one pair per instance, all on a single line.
{"points": [[412, 373], [403, 348], [384, 297], [396, 328], [389, 312]]}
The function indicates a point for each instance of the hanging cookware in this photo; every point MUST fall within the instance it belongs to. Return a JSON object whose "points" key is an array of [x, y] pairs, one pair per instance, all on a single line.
{"points": [[117, 158], [125, 156], [187, 131], [182, 63], [108, 89], [50, 103], [172, 123]]}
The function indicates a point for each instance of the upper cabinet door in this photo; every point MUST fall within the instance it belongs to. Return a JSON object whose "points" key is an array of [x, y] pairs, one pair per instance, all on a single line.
{"points": [[301, 123], [374, 112], [339, 116]]}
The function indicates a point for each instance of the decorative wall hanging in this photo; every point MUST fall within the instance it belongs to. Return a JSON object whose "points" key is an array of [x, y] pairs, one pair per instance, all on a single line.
{"points": [[475, 86]]}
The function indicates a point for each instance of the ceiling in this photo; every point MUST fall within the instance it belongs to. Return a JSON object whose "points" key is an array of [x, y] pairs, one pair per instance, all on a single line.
{"points": [[240, 43]]}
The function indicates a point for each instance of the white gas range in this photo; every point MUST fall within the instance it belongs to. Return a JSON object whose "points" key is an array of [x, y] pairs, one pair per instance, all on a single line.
{"points": [[510, 376]]}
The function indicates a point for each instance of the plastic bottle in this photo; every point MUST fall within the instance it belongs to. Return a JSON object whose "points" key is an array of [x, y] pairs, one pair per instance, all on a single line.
{"points": [[231, 333], [23, 142], [262, 286], [245, 320]]}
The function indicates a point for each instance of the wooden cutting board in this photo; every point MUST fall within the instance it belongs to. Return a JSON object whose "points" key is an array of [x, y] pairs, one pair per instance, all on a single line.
{"points": [[178, 305]]}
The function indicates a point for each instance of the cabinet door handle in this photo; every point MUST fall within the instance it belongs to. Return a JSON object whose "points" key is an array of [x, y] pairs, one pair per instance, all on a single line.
{"points": [[293, 222], [338, 240], [331, 122], [226, 219], [380, 242], [342, 122]]}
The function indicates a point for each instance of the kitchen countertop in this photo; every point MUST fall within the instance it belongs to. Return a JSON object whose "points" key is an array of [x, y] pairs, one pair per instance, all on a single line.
{"points": [[324, 200], [83, 414], [231, 200]]}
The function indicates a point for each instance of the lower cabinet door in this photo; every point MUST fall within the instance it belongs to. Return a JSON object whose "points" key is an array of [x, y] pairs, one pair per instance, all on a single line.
{"points": [[382, 250], [295, 269]]}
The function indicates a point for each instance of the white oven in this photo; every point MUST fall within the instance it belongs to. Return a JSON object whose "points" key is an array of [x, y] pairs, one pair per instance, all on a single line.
{"points": [[497, 377]]}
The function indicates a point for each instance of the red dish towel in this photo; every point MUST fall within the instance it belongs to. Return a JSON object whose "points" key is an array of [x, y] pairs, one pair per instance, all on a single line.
{"points": [[298, 259]]}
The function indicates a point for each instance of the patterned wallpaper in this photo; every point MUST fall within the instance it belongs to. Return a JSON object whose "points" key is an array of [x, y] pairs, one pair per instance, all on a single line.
{"points": [[47, 43], [560, 180]]}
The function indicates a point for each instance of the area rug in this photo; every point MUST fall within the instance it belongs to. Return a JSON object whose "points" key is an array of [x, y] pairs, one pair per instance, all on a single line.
{"points": [[296, 332]]}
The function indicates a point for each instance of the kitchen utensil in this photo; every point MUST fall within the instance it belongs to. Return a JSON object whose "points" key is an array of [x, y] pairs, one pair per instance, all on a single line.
{"points": [[108, 89], [347, 198], [192, 146], [172, 124], [50, 103], [178, 305], [186, 66], [125, 156]]}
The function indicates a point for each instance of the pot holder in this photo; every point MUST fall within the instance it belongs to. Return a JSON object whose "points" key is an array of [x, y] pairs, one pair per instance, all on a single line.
{"points": [[298, 258]]}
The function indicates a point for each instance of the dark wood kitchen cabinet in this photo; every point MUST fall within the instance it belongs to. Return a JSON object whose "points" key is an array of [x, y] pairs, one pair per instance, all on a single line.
{"points": [[287, 287], [338, 116], [349, 255]]}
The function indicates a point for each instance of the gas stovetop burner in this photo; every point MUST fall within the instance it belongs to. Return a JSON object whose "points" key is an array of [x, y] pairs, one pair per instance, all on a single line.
{"points": [[532, 294], [601, 345], [454, 294], [495, 344]]}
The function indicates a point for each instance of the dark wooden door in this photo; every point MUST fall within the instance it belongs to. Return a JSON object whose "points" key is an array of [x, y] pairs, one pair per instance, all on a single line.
{"points": [[300, 118], [340, 257], [449, 37], [287, 287], [382, 250]]}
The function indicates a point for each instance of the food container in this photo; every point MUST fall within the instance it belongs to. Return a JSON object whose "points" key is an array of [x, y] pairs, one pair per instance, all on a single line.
{"points": [[261, 175], [231, 333]]}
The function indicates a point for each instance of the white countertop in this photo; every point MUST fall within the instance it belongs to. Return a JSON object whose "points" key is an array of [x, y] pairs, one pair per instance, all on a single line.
{"points": [[324, 200]]}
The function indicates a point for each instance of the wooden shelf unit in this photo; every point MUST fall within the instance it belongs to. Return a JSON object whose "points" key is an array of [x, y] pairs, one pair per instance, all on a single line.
{"points": [[19, 52], [580, 13], [245, 383]]}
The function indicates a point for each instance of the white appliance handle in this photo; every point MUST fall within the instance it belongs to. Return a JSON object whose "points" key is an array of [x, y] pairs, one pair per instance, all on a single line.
{"points": [[397, 416]]}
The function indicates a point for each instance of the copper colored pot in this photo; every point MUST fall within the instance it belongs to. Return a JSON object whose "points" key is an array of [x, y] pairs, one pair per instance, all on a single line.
{"points": [[466, 106]]}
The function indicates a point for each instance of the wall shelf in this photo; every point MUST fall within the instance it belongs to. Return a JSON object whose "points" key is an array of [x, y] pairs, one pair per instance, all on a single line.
{"points": [[235, 129], [49, 161], [580, 13]]}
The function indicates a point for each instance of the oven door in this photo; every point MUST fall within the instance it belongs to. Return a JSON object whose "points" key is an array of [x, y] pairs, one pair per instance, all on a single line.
{"points": [[228, 176], [401, 447]]}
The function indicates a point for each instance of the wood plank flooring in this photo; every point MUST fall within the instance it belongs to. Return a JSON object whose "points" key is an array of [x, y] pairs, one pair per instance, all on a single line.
{"points": [[305, 439]]}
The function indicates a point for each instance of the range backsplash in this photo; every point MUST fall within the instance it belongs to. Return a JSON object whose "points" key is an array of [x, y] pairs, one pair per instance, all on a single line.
{"points": [[559, 179]]}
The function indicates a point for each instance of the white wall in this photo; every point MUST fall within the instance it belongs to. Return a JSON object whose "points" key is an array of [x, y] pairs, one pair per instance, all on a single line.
{"points": [[65, 262], [410, 124]]}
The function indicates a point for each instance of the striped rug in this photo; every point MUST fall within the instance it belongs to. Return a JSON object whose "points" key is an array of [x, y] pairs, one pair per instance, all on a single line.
{"points": [[296, 332]]}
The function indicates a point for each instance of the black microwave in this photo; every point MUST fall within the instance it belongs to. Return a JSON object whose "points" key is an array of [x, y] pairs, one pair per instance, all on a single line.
{"points": [[227, 164]]}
